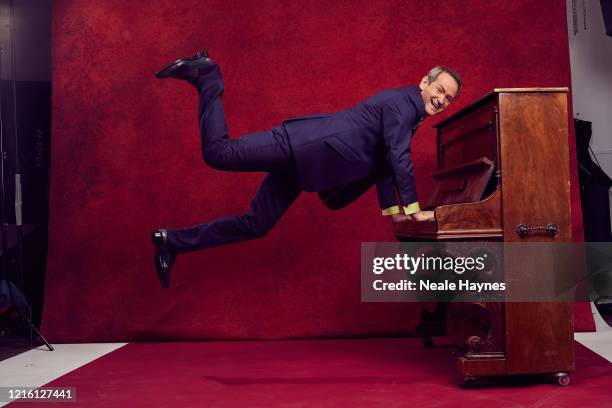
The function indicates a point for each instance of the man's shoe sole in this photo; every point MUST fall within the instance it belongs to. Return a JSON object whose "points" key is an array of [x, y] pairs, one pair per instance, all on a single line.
{"points": [[160, 272]]}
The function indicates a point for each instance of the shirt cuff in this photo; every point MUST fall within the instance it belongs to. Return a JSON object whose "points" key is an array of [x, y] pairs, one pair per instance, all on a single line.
{"points": [[408, 209], [412, 208], [391, 210]]}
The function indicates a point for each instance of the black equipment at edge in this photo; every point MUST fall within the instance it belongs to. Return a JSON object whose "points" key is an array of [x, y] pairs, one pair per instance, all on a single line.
{"points": [[18, 208]]}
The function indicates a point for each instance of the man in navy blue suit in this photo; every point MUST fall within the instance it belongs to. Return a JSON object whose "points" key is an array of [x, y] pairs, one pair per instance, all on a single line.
{"points": [[339, 156]]}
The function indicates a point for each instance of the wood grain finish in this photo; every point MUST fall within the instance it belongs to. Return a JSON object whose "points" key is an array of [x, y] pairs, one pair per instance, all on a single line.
{"points": [[535, 163], [479, 220], [524, 131], [478, 368], [536, 192], [539, 337], [463, 183], [483, 215], [479, 327], [469, 139], [493, 95]]}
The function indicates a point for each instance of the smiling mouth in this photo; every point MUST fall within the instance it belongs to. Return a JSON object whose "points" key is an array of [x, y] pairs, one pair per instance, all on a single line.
{"points": [[435, 104]]}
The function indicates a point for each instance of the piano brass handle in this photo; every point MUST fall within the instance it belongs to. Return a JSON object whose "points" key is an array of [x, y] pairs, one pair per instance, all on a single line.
{"points": [[551, 230]]}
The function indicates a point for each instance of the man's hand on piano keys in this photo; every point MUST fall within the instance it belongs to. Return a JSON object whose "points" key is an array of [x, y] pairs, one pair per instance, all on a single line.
{"points": [[417, 216], [423, 216]]}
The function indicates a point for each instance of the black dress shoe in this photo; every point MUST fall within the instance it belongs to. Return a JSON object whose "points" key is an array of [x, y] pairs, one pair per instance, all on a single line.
{"points": [[164, 257], [189, 68]]}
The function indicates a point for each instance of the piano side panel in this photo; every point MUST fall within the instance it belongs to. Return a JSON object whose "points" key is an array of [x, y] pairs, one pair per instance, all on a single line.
{"points": [[536, 192], [535, 163], [539, 337]]}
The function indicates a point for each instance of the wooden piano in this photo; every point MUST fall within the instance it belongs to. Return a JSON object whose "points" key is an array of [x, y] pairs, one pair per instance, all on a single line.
{"points": [[503, 175]]}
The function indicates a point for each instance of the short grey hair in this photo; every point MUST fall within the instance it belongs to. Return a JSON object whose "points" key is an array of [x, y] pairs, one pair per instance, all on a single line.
{"points": [[434, 72]]}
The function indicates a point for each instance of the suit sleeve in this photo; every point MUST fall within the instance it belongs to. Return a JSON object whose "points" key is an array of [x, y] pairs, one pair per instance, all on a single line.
{"points": [[397, 133], [387, 194], [386, 189]]}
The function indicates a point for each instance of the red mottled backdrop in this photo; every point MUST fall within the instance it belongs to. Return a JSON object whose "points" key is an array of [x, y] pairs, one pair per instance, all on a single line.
{"points": [[126, 157]]}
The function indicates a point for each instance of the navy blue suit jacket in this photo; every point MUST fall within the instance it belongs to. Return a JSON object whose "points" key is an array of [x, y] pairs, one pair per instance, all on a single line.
{"points": [[340, 155]]}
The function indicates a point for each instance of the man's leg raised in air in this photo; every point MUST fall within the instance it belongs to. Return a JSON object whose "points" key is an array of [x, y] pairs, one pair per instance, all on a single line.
{"points": [[267, 151], [261, 151]]}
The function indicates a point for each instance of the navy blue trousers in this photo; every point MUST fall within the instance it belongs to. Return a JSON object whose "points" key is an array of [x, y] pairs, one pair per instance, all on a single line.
{"points": [[267, 151]]}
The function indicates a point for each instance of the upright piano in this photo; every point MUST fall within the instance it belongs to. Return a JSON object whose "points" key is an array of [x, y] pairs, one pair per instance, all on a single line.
{"points": [[503, 175]]}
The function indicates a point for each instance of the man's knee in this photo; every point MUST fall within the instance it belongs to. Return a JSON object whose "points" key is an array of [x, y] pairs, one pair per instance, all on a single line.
{"points": [[212, 158], [256, 227], [219, 154]]}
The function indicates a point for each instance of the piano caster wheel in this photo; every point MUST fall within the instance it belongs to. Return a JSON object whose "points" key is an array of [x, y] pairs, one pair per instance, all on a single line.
{"points": [[427, 342], [562, 379], [469, 382]]}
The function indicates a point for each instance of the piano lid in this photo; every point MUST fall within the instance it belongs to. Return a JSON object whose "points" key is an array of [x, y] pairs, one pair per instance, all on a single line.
{"points": [[492, 95]]}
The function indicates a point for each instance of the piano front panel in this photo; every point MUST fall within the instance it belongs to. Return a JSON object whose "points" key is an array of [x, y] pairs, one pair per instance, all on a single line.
{"points": [[468, 139], [478, 327], [474, 221], [471, 220]]}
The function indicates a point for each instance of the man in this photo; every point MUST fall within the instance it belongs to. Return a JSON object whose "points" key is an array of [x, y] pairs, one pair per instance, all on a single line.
{"points": [[339, 156]]}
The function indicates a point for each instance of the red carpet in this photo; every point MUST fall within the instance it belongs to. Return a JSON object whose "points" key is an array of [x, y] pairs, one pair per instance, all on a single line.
{"points": [[313, 373]]}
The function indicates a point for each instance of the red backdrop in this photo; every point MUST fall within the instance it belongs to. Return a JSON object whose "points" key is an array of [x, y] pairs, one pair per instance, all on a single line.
{"points": [[126, 156]]}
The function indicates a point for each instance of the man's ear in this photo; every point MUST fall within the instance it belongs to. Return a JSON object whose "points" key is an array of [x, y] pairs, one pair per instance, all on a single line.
{"points": [[423, 83]]}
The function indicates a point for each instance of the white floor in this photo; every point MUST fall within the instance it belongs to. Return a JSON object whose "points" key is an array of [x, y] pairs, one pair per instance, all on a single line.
{"points": [[37, 367], [601, 340]]}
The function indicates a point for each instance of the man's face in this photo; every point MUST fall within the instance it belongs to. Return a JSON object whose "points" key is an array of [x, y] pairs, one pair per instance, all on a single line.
{"points": [[438, 94]]}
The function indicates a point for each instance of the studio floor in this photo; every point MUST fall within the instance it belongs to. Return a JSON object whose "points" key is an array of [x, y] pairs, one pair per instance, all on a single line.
{"points": [[298, 373]]}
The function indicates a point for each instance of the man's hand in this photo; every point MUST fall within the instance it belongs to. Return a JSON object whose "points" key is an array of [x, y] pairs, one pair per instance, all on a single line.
{"points": [[423, 216], [417, 216], [398, 218]]}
